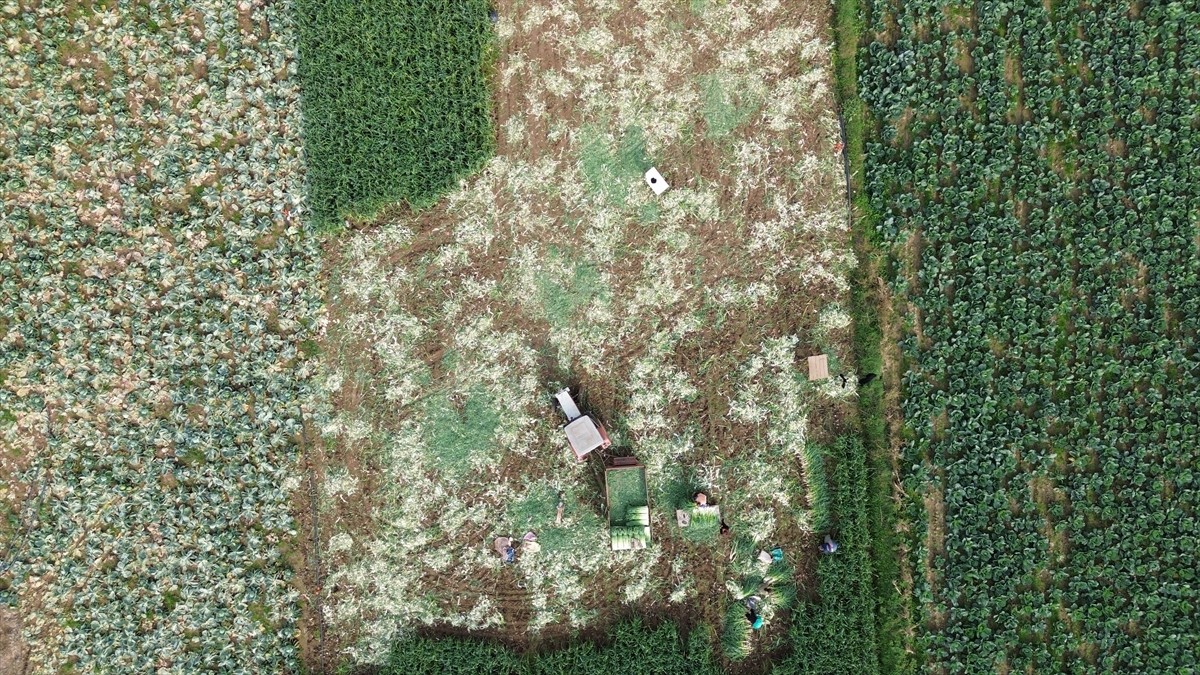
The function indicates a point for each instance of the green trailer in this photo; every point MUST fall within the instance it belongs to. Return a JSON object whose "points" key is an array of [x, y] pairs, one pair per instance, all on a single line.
{"points": [[628, 501]]}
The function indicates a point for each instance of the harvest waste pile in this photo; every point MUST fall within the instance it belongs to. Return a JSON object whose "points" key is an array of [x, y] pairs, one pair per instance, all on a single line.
{"points": [[682, 322]]}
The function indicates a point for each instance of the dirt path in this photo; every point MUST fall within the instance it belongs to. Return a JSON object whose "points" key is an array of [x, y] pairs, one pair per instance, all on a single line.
{"points": [[14, 653]]}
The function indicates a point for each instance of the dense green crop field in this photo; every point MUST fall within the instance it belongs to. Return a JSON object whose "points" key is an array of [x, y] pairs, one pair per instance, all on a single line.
{"points": [[156, 292], [396, 102], [1037, 173], [631, 647]]}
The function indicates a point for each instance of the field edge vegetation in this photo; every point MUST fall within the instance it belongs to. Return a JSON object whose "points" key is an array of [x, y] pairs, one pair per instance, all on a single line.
{"points": [[636, 646], [874, 321], [1033, 172]]}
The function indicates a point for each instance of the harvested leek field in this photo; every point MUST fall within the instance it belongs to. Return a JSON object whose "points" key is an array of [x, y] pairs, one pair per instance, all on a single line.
{"points": [[680, 321]]}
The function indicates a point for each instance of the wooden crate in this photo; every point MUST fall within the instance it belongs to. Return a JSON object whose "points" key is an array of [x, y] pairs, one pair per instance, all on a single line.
{"points": [[818, 367]]}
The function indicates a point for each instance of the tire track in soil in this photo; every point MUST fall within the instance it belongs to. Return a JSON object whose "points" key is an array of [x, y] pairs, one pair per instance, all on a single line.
{"points": [[309, 577]]}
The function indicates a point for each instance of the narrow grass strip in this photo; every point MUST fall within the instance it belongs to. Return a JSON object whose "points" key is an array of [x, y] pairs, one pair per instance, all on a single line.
{"points": [[894, 655]]}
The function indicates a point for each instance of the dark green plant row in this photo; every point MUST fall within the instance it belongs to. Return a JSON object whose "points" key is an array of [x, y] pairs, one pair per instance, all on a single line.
{"points": [[633, 649], [1038, 164], [820, 499], [396, 104], [836, 634]]}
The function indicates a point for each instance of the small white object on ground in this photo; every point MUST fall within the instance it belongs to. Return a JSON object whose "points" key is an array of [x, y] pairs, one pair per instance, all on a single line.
{"points": [[656, 182], [764, 557], [567, 404], [683, 518]]}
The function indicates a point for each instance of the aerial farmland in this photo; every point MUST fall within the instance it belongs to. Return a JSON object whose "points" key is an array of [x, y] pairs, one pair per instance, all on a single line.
{"points": [[598, 336]]}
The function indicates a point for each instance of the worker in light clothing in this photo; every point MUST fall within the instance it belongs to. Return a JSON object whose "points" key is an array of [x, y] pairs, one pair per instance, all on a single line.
{"points": [[829, 545]]}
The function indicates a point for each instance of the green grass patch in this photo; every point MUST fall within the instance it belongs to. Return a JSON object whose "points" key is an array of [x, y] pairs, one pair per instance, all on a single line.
{"points": [[260, 614], [626, 488], [584, 532], [193, 457], [847, 30], [170, 600], [649, 213], [454, 439], [724, 106], [611, 172], [562, 301], [396, 104], [537, 510]]}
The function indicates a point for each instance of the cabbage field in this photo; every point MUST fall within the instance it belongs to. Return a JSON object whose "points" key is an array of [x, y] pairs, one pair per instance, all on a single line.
{"points": [[156, 292], [1036, 172]]}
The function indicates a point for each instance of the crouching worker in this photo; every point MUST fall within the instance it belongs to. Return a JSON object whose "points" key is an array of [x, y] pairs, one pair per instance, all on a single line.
{"points": [[829, 545], [504, 547], [752, 615]]}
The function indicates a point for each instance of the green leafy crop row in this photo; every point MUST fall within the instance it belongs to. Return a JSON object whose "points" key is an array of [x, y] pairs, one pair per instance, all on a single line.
{"points": [[632, 648], [396, 102], [1038, 164], [157, 285]]}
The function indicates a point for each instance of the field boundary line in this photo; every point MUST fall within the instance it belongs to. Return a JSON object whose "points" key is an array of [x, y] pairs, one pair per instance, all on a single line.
{"points": [[873, 318]]}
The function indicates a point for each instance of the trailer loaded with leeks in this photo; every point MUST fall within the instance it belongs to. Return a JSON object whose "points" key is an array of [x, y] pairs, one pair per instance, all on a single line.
{"points": [[628, 503]]}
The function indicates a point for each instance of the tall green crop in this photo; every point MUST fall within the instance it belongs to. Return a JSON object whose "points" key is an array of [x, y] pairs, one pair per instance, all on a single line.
{"points": [[632, 648], [836, 633], [396, 104]]}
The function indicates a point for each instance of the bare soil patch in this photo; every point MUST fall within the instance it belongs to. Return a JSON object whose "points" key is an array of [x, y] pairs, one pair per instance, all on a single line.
{"points": [[14, 653]]}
